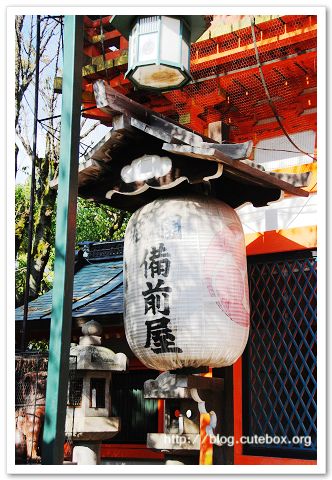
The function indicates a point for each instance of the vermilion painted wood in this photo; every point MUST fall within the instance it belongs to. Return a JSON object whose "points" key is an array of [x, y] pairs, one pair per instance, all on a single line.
{"points": [[129, 450], [161, 413], [226, 47], [267, 242], [300, 238], [135, 364], [252, 460]]}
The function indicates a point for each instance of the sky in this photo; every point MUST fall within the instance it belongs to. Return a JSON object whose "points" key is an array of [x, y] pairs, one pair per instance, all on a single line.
{"points": [[24, 162]]}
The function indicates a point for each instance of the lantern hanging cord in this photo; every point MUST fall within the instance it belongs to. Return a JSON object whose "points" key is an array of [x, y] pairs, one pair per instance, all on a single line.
{"points": [[271, 103]]}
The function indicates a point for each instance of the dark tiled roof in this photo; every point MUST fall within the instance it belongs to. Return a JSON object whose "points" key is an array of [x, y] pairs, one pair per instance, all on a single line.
{"points": [[98, 290]]}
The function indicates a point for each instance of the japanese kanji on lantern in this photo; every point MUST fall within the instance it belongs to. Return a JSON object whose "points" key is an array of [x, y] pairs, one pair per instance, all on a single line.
{"points": [[186, 287]]}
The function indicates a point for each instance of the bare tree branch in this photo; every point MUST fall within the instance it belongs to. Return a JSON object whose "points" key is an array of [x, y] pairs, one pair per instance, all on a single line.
{"points": [[25, 143], [90, 130]]}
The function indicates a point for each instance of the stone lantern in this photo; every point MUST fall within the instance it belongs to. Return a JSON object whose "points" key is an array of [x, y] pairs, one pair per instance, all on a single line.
{"points": [[88, 419], [186, 395]]}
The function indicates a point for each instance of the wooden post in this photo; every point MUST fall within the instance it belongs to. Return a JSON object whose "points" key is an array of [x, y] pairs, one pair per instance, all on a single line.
{"points": [[223, 405], [227, 421], [58, 365]]}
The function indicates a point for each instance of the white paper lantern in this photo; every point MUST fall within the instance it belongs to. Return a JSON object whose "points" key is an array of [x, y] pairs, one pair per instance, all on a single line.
{"points": [[186, 287]]}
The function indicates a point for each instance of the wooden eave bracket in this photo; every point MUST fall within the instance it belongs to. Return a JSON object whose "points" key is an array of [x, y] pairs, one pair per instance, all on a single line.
{"points": [[132, 120], [238, 168], [183, 141]]}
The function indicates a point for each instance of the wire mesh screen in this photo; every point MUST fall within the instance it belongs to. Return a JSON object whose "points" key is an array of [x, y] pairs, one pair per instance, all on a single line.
{"points": [[30, 399], [227, 85], [30, 379], [75, 384], [229, 65], [279, 377]]}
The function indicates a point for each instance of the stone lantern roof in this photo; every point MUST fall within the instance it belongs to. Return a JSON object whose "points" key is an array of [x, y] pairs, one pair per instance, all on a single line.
{"points": [[91, 355]]}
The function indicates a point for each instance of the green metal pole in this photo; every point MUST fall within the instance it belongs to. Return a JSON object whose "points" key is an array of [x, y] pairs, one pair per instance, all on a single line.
{"points": [[58, 363]]}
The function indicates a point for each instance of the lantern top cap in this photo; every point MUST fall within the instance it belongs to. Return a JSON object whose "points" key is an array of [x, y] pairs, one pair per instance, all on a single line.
{"points": [[197, 24], [92, 328]]}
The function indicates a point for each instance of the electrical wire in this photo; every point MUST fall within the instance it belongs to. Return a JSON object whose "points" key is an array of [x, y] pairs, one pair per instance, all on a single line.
{"points": [[275, 112], [302, 208], [277, 150], [86, 151], [59, 116], [291, 221], [48, 128], [45, 127], [56, 18], [61, 37], [271, 103], [97, 298]]}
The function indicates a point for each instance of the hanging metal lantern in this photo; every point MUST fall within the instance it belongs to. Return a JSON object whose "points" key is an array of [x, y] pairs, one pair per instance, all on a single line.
{"points": [[159, 48], [186, 287]]}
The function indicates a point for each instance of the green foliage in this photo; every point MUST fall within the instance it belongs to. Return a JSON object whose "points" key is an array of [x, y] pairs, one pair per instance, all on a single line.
{"points": [[20, 272], [94, 223], [22, 192], [38, 345], [99, 222], [22, 199]]}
